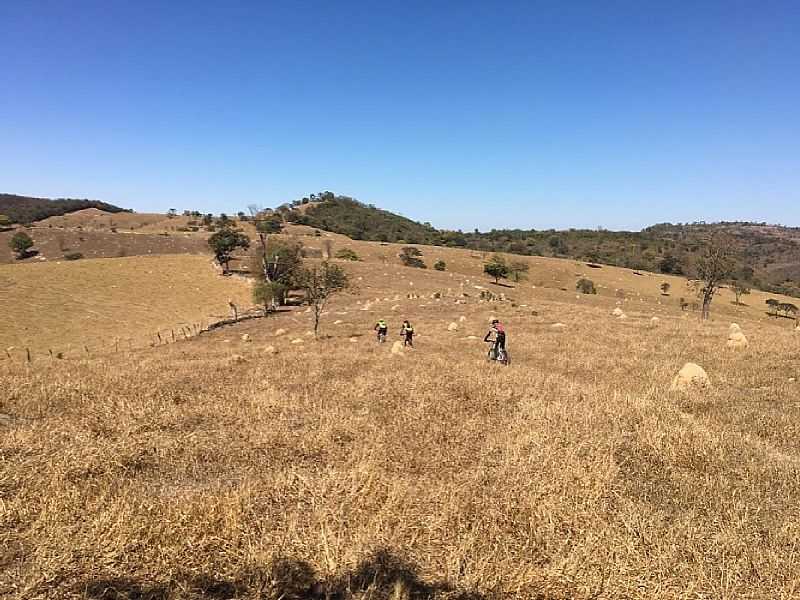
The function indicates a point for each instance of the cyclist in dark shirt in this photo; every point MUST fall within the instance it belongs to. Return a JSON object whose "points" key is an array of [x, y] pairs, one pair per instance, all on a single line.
{"points": [[407, 331], [499, 332]]}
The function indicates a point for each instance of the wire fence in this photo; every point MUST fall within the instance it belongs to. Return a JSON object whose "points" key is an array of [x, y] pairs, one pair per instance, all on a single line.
{"points": [[115, 345]]}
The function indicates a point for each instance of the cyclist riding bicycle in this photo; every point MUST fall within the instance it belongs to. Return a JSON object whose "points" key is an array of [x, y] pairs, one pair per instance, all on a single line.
{"points": [[407, 332], [382, 329], [499, 332]]}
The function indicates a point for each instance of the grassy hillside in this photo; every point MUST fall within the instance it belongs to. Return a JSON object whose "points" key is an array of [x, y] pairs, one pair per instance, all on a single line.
{"points": [[65, 306], [24, 209], [214, 468], [53, 244], [770, 254]]}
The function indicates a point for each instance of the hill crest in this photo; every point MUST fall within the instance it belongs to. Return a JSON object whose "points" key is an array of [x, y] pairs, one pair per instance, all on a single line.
{"points": [[770, 253], [28, 209]]}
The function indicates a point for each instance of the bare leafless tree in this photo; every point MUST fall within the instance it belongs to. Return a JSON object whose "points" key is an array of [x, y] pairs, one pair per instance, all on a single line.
{"points": [[715, 266]]}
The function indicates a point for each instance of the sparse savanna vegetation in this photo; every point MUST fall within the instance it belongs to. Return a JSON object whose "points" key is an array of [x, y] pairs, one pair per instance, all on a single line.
{"points": [[289, 473], [769, 253], [258, 460]]}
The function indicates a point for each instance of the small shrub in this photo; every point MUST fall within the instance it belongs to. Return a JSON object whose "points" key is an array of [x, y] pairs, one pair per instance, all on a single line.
{"points": [[585, 286], [73, 256], [440, 265], [410, 257], [21, 243], [269, 294], [347, 254]]}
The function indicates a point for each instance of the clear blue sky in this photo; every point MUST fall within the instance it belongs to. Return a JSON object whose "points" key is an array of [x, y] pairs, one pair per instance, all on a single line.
{"points": [[464, 114]]}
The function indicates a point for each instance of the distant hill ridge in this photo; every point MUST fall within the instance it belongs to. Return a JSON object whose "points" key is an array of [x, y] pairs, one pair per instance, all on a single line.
{"points": [[26, 209], [770, 253]]}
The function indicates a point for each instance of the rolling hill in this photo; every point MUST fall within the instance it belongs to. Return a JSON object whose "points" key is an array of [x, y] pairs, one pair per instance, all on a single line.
{"points": [[25, 209], [770, 254]]}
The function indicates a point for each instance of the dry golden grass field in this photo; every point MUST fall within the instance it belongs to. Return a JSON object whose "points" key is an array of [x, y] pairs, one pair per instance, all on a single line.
{"points": [[105, 304], [97, 234], [332, 468]]}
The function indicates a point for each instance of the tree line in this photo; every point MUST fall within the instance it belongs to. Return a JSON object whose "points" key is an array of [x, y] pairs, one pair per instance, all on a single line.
{"points": [[26, 209], [664, 248]]}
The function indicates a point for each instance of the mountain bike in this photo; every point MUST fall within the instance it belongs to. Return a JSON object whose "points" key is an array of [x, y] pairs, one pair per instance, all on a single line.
{"points": [[500, 355], [381, 336]]}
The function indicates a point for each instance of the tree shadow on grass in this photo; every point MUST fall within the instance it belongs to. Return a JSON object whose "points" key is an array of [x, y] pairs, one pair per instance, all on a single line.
{"points": [[383, 576], [123, 588], [28, 254], [501, 284]]}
